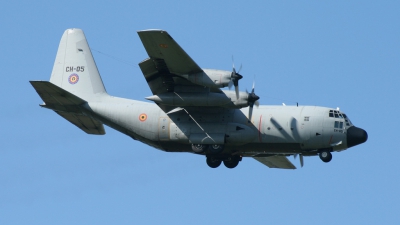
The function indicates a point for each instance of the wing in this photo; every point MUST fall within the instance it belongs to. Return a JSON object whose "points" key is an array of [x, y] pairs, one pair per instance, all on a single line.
{"points": [[163, 49], [167, 66], [276, 161]]}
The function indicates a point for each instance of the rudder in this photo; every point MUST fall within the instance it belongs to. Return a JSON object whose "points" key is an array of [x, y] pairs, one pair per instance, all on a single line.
{"points": [[74, 68]]}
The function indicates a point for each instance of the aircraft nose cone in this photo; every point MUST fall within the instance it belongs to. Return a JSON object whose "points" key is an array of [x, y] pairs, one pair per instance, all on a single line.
{"points": [[356, 136]]}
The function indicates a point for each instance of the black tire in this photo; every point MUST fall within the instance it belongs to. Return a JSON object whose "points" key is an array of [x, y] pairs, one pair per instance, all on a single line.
{"points": [[215, 149], [213, 163], [325, 156], [231, 163], [199, 148]]}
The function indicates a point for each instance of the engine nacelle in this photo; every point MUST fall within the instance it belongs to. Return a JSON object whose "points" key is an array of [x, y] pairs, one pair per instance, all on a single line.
{"points": [[227, 99], [210, 78], [241, 102]]}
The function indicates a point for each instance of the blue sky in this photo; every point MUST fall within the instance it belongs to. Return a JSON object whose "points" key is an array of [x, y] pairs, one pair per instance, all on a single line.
{"points": [[329, 53]]}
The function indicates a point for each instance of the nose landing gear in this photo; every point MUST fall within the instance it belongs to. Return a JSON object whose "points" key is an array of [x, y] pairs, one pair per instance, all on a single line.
{"points": [[325, 155]]}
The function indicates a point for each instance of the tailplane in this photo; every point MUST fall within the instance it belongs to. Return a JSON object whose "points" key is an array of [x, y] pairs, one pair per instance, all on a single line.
{"points": [[67, 105], [74, 82], [74, 68]]}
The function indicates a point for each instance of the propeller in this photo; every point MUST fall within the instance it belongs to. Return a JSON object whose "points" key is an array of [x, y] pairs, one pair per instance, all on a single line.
{"points": [[235, 77], [252, 99], [301, 159]]}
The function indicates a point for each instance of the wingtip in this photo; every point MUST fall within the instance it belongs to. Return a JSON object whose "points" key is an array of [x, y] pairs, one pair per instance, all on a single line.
{"points": [[151, 30]]}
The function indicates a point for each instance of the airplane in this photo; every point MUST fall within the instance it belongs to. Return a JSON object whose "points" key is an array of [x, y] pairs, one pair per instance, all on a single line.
{"points": [[189, 111]]}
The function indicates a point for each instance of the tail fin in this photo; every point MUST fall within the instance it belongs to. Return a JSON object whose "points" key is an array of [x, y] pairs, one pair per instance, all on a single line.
{"points": [[74, 68]]}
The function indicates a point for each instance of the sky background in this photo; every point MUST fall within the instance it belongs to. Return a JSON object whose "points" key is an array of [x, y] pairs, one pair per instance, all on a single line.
{"points": [[328, 53]]}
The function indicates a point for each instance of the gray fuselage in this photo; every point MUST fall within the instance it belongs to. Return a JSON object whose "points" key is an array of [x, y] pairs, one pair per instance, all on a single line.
{"points": [[273, 129]]}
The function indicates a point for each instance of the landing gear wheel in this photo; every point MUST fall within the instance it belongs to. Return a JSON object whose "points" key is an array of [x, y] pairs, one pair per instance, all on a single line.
{"points": [[199, 148], [215, 149], [231, 162], [212, 162], [325, 156]]}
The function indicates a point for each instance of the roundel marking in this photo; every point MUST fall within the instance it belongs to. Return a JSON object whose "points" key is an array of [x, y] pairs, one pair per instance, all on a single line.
{"points": [[73, 78], [142, 117]]}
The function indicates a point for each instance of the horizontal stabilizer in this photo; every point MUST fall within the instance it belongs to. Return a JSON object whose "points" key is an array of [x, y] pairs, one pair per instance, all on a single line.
{"points": [[66, 105], [276, 161], [85, 123], [57, 98]]}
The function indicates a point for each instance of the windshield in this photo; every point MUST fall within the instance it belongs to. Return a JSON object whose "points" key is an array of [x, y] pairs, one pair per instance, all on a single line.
{"points": [[348, 122], [337, 114]]}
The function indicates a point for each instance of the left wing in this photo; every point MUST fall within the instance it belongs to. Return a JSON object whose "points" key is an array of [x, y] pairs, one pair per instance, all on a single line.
{"points": [[168, 67], [160, 46], [275, 161]]}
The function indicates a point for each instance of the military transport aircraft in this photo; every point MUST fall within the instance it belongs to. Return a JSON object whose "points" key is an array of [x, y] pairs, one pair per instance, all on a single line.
{"points": [[191, 113]]}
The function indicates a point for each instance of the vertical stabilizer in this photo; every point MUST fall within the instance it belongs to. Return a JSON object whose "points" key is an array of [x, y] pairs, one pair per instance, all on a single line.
{"points": [[74, 68]]}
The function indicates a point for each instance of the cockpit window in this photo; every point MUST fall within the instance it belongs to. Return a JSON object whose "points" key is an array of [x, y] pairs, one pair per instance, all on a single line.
{"points": [[335, 114], [347, 120]]}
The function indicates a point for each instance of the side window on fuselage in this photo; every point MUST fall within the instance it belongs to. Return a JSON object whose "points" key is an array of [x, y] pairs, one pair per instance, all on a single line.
{"points": [[338, 125]]}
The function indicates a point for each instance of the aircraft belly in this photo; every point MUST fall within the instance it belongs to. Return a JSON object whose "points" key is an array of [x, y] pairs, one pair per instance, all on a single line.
{"points": [[271, 148], [245, 150]]}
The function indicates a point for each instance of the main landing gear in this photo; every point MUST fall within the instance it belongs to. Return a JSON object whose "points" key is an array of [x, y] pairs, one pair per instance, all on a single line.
{"points": [[325, 155], [213, 149], [213, 162], [214, 156], [229, 161]]}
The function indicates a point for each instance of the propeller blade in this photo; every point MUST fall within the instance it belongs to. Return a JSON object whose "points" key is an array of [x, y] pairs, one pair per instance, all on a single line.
{"points": [[250, 112], [240, 68], [230, 84], [257, 103], [252, 99], [235, 77], [301, 160], [237, 92], [233, 64]]}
